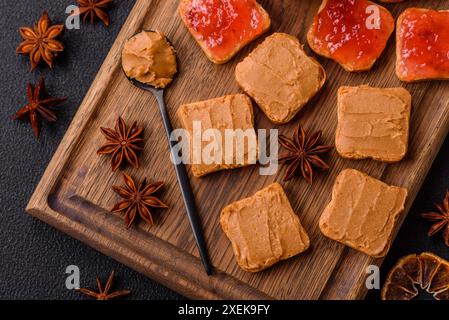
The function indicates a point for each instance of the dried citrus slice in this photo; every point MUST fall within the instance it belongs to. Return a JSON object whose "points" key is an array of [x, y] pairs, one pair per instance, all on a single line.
{"points": [[429, 264], [427, 270]]}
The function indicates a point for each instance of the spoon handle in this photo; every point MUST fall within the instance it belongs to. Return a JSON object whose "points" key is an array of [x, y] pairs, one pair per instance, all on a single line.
{"points": [[187, 195]]}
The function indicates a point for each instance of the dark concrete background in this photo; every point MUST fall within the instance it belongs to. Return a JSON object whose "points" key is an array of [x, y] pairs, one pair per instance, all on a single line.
{"points": [[33, 256]]}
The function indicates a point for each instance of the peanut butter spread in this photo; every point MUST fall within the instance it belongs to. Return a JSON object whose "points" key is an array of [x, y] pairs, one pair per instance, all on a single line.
{"points": [[232, 112], [280, 77], [149, 58], [363, 212], [263, 229], [373, 123]]}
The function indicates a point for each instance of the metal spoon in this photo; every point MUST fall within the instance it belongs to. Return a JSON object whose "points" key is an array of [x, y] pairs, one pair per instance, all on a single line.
{"points": [[181, 173]]}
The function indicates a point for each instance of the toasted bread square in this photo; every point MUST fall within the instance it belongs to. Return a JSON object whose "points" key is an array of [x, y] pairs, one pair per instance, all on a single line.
{"points": [[280, 77], [422, 45], [263, 229], [352, 33], [232, 112], [363, 213], [373, 123], [223, 28]]}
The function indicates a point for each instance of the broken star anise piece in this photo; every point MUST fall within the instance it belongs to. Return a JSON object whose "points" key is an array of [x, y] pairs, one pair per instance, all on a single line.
{"points": [[40, 42], [440, 219], [39, 105], [94, 8], [122, 143], [138, 199], [303, 154], [103, 293]]}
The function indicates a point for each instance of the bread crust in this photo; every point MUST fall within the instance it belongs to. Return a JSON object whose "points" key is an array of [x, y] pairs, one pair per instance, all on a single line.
{"points": [[238, 47]]}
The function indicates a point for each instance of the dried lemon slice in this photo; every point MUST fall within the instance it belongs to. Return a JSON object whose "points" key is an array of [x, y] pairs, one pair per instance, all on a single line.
{"points": [[427, 270]]}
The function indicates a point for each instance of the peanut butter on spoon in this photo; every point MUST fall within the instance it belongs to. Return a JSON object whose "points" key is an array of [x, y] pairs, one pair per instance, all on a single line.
{"points": [[149, 63], [149, 58]]}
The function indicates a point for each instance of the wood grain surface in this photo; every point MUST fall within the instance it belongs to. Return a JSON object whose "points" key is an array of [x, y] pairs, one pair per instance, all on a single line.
{"points": [[75, 193]]}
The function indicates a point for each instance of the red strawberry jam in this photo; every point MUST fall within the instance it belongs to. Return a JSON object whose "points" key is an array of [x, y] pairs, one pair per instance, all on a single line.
{"points": [[224, 25], [348, 32], [423, 44]]}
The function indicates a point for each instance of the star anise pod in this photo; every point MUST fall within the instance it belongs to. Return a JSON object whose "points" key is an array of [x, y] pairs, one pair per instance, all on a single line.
{"points": [[103, 293], [94, 8], [440, 219], [40, 42], [122, 143], [38, 105], [303, 154], [138, 199]]}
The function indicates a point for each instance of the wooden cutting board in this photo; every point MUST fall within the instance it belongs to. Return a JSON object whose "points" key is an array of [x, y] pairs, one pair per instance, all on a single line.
{"points": [[75, 193]]}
